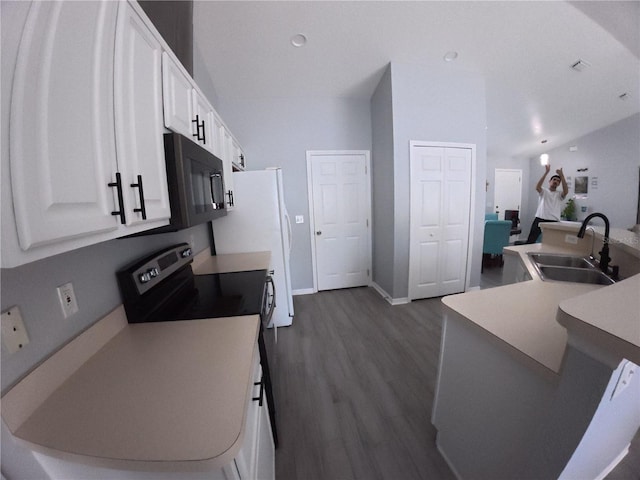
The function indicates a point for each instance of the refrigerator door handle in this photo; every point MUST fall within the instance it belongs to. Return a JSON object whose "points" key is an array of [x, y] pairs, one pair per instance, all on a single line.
{"points": [[270, 300], [289, 233]]}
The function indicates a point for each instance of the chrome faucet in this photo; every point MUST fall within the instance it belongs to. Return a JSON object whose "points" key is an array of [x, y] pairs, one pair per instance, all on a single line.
{"points": [[604, 253]]}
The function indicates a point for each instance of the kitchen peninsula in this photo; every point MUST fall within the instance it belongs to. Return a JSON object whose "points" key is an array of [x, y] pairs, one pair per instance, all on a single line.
{"points": [[530, 373]]}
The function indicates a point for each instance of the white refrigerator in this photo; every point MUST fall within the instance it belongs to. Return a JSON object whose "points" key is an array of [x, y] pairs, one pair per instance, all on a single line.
{"points": [[259, 222]]}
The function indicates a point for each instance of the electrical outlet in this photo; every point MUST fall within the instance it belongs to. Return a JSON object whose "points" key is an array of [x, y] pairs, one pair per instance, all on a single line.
{"points": [[572, 239], [14, 335], [299, 219], [67, 299], [628, 371]]}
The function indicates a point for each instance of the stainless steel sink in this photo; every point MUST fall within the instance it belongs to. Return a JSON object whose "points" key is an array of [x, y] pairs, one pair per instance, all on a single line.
{"points": [[560, 260], [568, 268], [577, 275]]}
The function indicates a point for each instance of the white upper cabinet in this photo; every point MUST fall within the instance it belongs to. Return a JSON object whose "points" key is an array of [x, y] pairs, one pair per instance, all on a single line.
{"points": [[62, 143], [238, 156], [86, 124], [139, 120], [203, 121], [93, 88], [225, 142], [186, 109], [177, 98]]}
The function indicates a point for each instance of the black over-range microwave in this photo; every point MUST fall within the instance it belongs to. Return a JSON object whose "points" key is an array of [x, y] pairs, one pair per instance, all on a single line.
{"points": [[196, 183]]}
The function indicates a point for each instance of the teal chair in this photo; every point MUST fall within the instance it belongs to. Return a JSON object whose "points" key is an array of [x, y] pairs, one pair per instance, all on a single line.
{"points": [[490, 216], [496, 237]]}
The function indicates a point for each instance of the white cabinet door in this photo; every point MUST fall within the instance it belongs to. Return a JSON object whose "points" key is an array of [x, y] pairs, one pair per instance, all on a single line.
{"points": [[264, 463], [139, 121], [256, 458], [177, 98], [238, 155], [203, 111], [223, 151], [62, 145]]}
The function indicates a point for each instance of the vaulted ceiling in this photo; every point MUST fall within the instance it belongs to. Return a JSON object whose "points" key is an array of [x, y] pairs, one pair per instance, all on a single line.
{"points": [[524, 51]]}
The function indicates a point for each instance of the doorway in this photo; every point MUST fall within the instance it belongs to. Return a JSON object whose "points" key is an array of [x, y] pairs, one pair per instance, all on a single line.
{"points": [[339, 188], [507, 193], [440, 218]]}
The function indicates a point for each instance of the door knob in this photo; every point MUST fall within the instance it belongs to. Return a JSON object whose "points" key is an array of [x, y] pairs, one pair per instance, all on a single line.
{"points": [[318, 232]]}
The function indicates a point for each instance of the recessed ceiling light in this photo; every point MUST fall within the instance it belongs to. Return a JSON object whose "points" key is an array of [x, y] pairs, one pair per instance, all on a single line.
{"points": [[298, 40], [450, 56]]}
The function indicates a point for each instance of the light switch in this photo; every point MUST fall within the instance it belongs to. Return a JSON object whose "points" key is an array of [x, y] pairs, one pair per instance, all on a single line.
{"points": [[299, 218], [14, 334]]}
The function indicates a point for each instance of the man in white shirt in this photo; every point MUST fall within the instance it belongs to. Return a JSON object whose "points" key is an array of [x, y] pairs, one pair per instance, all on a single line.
{"points": [[550, 202]]}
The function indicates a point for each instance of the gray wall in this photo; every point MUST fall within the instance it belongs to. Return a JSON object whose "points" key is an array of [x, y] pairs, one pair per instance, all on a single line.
{"points": [[92, 271], [382, 183], [612, 154], [277, 132], [435, 104]]}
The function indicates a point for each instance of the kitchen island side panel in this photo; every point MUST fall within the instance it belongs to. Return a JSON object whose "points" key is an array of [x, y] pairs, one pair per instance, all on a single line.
{"points": [[489, 400]]}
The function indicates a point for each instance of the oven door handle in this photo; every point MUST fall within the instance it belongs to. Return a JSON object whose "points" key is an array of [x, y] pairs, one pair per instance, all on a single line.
{"points": [[270, 305]]}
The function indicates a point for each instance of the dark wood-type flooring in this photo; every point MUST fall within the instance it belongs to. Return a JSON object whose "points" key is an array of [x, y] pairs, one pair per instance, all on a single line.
{"points": [[355, 388]]}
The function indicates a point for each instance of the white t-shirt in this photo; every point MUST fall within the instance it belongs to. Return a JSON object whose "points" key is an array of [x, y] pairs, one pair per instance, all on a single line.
{"points": [[549, 204]]}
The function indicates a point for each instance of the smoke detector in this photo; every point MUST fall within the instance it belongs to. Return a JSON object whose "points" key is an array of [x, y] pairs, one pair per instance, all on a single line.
{"points": [[580, 65]]}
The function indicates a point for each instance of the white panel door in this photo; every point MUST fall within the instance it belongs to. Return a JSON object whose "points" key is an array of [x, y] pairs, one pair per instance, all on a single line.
{"points": [[62, 149], [507, 190], [439, 222], [341, 211], [139, 120]]}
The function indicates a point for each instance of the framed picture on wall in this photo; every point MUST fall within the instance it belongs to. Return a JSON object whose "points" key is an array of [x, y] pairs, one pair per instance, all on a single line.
{"points": [[581, 186]]}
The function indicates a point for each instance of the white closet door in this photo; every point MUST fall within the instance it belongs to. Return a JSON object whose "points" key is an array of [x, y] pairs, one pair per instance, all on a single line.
{"points": [[439, 221]]}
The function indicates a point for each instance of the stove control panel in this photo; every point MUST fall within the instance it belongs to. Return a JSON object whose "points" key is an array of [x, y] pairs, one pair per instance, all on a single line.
{"points": [[153, 269]]}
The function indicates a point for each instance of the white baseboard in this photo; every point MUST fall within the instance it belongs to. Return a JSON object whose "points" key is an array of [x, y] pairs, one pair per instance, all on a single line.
{"points": [[613, 464], [446, 459], [471, 289], [387, 297], [303, 291]]}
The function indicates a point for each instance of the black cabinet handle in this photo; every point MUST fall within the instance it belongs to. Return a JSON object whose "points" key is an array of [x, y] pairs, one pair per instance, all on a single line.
{"points": [[198, 126], [142, 208], [118, 185], [260, 396], [230, 195]]}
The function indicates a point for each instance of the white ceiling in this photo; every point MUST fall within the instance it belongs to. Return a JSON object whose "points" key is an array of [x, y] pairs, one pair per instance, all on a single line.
{"points": [[524, 51]]}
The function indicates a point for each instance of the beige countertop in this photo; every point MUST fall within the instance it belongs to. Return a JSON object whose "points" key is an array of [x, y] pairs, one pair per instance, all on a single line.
{"points": [[523, 315], [531, 316], [157, 396], [609, 318], [205, 263]]}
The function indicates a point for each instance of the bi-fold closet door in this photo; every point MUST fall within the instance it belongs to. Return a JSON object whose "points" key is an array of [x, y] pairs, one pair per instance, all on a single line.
{"points": [[440, 218]]}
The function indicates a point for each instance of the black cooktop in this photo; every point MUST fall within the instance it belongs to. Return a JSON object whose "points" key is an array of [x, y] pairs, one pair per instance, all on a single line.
{"points": [[226, 295], [162, 287]]}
